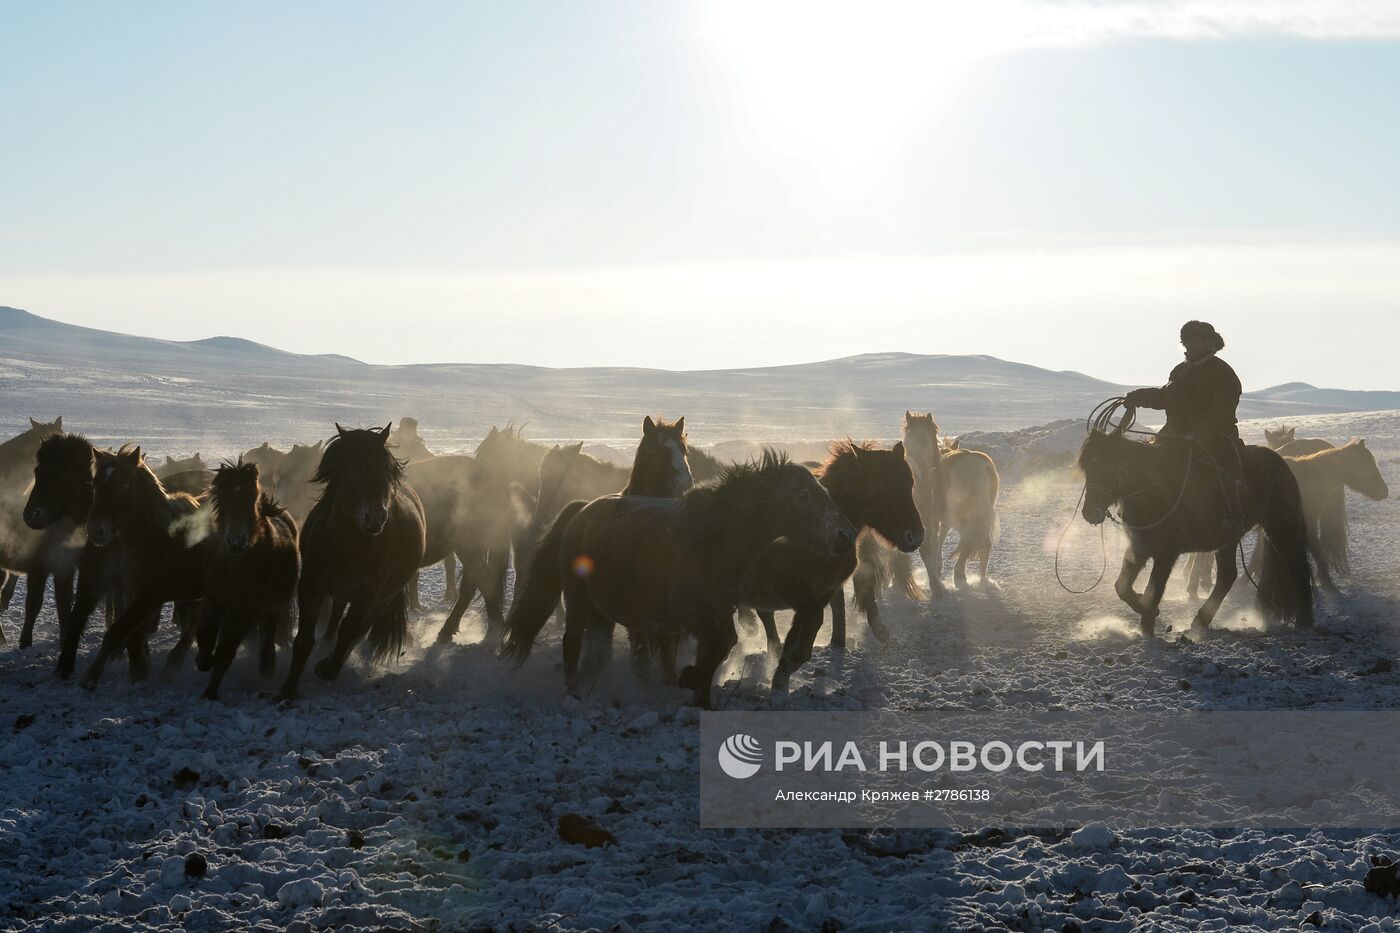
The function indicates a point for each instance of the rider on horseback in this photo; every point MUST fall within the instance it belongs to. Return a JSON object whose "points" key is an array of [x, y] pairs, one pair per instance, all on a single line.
{"points": [[1200, 399]]}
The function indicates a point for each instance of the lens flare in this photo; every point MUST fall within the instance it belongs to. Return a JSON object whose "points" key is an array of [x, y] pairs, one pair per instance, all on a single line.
{"points": [[583, 566]]}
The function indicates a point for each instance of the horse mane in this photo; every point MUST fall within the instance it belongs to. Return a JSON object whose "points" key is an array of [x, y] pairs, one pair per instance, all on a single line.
{"points": [[842, 459], [165, 507], [62, 446], [343, 450], [268, 506], [715, 504]]}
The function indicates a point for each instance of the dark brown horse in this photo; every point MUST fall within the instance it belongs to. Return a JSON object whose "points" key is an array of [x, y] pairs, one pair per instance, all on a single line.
{"points": [[250, 572], [17, 453], [448, 490], [62, 497], [360, 545], [160, 557], [1171, 502], [874, 489], [672, 567], [173, 465], [50, 542]]}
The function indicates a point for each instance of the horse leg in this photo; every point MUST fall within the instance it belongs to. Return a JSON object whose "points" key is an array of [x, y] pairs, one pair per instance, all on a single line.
{"points": [[412, 591], [310, 598], [931, 551], [864, 585], [1226, 573], [578, 619], [713, 648], [7, 591], [358, 617], [770, 632], [268, 625], [1127, 576], [207, 638], [465, 593], [187, 615], [666, 648], [63, 597], [641, 648], [34, 585], [128, 632], [1156, 585], [493, 588], [838, 619], [231, 634], [597, 650], [70, 632], [449, 578], [960, 556], [1317, 551], [806, 622], [335, 620]]}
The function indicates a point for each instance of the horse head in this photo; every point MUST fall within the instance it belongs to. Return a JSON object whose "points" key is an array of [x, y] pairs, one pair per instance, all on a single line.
{"points": [[1277, 438], [62, 482], [115, 486], [236, 495], [361, 475], [1362, 473], [661, 465], [875, 488], [805, 512], [920, 435], [1101, 460]]}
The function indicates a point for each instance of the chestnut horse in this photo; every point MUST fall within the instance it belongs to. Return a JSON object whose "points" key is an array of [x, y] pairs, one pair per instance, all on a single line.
{"points": [[956, 491]]}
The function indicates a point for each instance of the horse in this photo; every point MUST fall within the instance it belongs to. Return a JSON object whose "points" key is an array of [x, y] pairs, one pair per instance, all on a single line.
{"points": [[62, 497], [956, 491], [294, 484], [1303, 446], [672, 567], [1171, 502], [250, 572], [1276, 438], [187, 465], [874, 489], [267, 458], [503, 457], [161, 556], [360, 545], [447, 488], [17, 453], [1322, 479], [50, 542]]}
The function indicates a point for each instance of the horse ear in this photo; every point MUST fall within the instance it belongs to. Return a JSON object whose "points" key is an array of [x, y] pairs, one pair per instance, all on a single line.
{"points": [[1361, 442], [384, 434], [953, 444], [680, 424], [648, 426], [134, 455], [34, 424], [339, 431], [59, 423], [577, 448], [899, 448]]}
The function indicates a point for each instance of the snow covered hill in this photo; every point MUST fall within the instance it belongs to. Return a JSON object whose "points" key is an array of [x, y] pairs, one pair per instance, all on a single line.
{"points": [[180, 397]]}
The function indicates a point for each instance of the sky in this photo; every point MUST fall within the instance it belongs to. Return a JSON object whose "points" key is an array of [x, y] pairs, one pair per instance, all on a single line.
{"points": [[712, 185]]}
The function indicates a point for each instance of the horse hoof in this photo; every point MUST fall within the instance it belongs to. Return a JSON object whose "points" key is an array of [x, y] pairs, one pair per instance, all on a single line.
{"points": [[881, 631], [209, 694], [445, 638], [327, 669], [286, 696], [203, 665]]}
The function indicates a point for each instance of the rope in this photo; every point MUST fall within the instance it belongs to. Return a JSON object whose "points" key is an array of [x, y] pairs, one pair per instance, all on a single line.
{"points": [[1103, 550]]}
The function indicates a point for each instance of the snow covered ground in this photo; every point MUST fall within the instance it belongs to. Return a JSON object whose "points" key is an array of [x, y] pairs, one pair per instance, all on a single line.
{"points": [[426, 795]]}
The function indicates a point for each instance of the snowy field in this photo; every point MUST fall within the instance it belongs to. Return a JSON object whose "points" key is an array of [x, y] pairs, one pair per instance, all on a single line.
{"points": [[426, 795]]}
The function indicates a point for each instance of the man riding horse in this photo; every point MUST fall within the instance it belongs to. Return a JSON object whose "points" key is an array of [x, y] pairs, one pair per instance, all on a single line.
{"points": [[1200, 399]]}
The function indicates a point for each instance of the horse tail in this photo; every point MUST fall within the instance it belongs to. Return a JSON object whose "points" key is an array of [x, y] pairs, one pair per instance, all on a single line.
{"points": [[389, 628], [1332, 527], [544, 581], [1285, 579], [902, 575]]}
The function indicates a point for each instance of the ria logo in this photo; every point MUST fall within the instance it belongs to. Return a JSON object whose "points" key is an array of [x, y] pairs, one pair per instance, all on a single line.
{"points": [[740, 756]]}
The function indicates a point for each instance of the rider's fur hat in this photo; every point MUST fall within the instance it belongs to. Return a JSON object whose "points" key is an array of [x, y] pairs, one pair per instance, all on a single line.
{"points": [[1204, 331]]}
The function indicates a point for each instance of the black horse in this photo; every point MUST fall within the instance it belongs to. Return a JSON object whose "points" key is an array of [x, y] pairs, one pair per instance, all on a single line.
{"points": [[360, 545], [1171, 502]]}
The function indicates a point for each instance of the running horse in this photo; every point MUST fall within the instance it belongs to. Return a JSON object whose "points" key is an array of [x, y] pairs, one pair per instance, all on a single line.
{"points": [[1171, 502], [672, 567]]}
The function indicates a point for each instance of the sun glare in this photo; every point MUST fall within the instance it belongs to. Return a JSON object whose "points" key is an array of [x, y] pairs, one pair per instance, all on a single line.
{"points": [[839, 84]]}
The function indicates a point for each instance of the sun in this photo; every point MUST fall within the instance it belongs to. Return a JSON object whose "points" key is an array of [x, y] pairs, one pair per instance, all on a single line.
{"points": [[839, 84]]}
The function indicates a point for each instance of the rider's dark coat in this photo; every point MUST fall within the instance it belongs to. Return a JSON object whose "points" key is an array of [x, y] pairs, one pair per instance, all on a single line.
{"points": [[1200, 399]]}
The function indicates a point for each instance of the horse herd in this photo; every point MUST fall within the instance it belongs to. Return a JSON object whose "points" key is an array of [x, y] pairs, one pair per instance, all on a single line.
{"points": [[330, 536]]}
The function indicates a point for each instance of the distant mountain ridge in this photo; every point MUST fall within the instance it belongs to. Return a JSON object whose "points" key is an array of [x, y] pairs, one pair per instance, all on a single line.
{"points": [[227, 392]]}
